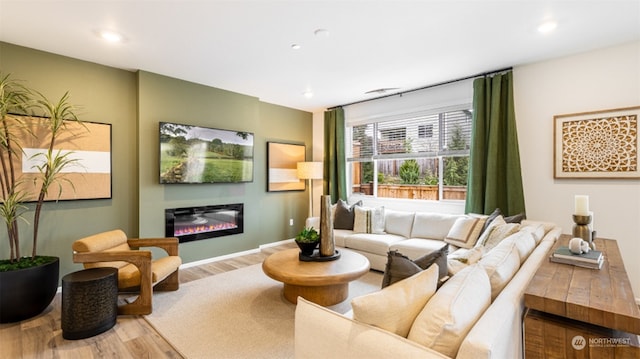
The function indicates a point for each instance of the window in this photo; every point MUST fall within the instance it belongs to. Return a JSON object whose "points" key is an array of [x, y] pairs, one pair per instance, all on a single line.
{"points": [[392, 140], [425, 131], [424, 156]]}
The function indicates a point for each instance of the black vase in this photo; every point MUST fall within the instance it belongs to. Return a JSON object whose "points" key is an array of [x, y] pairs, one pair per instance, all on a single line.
{"points": [[307, 248], [25, 293]]}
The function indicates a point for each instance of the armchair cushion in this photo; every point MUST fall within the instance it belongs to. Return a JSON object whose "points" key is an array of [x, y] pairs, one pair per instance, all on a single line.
{"points": [[114, 240], [128, 276], [162, 267], [111, 241]]}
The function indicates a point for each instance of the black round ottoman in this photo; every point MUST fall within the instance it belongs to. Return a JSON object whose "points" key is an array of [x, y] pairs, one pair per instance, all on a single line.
{"points": [[89, 302]]}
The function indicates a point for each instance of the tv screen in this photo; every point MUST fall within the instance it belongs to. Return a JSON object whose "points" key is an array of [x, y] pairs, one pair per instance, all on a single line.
{"points": [[196, 154]]}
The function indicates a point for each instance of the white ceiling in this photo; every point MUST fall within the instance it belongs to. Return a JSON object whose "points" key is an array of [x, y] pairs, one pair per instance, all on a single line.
{"points": [[245, 46]]}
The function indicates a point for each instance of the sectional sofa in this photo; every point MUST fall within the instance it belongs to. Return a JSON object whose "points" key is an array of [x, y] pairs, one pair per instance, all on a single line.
{"points": [[476, 313], [410, 233]]}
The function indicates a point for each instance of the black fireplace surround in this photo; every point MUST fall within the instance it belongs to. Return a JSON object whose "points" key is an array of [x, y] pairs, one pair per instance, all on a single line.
{"points": [[196, 223]]}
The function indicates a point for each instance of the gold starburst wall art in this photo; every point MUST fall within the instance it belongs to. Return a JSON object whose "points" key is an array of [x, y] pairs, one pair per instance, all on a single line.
{"points": [[600, 144]]}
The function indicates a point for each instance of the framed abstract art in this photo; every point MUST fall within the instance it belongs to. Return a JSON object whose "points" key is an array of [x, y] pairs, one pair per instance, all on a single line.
{"points": [[600, 144], [282, 161], [86, 144]]}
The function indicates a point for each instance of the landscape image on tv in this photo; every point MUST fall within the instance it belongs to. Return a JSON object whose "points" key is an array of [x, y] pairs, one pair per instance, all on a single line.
{"points": [[195, 154]]}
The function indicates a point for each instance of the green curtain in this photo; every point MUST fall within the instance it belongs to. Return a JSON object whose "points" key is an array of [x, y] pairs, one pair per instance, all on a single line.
{"points": [[335, 163], [495, 179]]}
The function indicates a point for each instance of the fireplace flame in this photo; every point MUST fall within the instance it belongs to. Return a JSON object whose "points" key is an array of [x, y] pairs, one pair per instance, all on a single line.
{"points": [[204, 228]]}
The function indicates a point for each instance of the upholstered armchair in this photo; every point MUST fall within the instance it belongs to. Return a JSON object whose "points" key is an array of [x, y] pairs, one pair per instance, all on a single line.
{"points": [[137, 270]]}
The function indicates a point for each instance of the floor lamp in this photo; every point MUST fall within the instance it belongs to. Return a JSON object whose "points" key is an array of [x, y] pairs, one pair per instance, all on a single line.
{"points": [[310, 171]]}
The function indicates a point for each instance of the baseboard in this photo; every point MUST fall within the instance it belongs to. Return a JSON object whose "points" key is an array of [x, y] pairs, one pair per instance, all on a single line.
{"points": [[218, 258], [275, 244], [233, 255]]}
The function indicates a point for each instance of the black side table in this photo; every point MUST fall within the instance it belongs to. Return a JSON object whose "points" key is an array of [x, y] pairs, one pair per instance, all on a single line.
{"points": [[89, 302]]}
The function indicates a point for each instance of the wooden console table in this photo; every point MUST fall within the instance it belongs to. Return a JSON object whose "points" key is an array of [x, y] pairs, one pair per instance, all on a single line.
{"points": [[574, 312]]}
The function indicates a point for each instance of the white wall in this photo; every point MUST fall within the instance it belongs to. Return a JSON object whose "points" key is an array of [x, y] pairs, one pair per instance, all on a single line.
{"points": [[318, 154], [604, 79]]}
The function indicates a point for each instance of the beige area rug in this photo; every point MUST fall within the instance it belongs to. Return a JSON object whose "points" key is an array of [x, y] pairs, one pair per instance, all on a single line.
{"points": [[237, 314]]}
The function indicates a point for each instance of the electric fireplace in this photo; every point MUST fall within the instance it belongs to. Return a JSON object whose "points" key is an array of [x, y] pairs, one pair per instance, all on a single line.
{"points": [[196, 223]]}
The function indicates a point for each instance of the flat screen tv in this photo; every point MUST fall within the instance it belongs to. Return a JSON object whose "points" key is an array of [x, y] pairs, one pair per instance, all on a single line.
{"points": [[196, 154]]}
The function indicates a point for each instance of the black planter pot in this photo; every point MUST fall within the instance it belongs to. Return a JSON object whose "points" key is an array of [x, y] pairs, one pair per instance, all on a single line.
{"points": [[25, 293], [307, 248]]}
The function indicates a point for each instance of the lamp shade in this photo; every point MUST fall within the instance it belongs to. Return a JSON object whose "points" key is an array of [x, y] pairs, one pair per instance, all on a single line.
{"points": [[310, 170]]}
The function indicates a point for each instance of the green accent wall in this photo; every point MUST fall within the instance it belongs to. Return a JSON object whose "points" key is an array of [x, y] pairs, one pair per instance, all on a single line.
{"points": [[266, 214], [134, 103]]}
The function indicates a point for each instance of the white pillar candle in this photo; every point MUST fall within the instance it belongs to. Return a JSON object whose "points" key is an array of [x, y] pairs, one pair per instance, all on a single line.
{"points": [[581, 205]]}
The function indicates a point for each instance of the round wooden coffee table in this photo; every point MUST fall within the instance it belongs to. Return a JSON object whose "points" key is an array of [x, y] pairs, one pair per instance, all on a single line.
{"points": [[324, 283]]}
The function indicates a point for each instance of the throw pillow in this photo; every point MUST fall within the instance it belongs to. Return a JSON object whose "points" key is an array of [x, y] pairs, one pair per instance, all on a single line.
{"points": [[496, 212], [499, 220], [467, 256], [400, 266], [368, 220], [395, 307], [465, 231], [438, 257], [499, 233], [344, 215], [516, 218], [450, 314]]}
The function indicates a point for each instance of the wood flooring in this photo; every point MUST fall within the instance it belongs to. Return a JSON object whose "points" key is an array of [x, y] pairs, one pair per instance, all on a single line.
{"points": [[131, 337]]}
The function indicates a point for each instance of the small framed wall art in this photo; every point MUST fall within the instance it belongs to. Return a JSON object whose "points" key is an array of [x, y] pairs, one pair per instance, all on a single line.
{"points": [[600, 144], [282, 163]]}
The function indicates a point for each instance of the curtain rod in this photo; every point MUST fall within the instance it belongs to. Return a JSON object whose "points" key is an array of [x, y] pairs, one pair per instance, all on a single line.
{"points": [[484, 74]]}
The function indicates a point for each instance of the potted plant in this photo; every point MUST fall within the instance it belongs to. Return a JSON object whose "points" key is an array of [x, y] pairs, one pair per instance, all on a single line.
{"points": [[28, 284], [307, 240]]}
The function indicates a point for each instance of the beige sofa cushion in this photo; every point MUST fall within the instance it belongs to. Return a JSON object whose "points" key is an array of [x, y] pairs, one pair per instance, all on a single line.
{"points": [[321, 333], [432, 225], [398, 222], [452, 311], [537, 229], [395, 307], [372, 243], [501, 263], [524, 242], [465, 231], [340, 235]]}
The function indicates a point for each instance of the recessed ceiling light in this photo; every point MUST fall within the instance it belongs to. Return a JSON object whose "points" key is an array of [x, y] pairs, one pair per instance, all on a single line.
{"points": [[547, 27], [296, 46], [111, 36], [308, 94]]}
